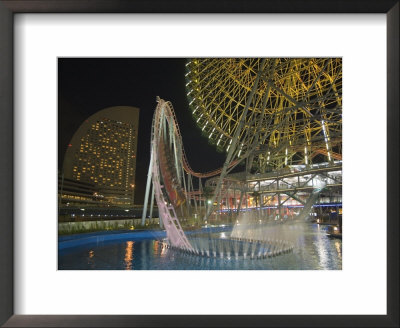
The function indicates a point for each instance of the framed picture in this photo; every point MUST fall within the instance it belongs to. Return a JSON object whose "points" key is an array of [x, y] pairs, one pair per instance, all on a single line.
{"points": [[38, 51]]}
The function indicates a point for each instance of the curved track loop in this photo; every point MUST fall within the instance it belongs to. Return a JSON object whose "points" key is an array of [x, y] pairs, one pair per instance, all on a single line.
{"points": [[167, 165], [175, 234], [167, 172], [169, 112]]}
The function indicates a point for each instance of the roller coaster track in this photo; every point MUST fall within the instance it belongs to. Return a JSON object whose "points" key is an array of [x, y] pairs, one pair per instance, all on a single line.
{"points": [[169, 111], [167, 166], [175, 234], [168, 159]]}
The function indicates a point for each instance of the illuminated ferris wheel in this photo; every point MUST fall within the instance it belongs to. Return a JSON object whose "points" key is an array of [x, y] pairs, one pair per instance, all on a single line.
{"points": [[278, 111]]}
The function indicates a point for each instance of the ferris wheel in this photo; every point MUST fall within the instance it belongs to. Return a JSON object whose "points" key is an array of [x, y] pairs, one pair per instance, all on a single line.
{"points": [[278, 111]]}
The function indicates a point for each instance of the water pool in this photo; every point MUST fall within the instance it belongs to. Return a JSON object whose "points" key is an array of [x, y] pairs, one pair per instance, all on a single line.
{"points": [[141, 250]]}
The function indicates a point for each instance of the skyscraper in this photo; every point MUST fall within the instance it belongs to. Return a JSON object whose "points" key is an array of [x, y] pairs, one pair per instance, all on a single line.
{"points": [[102, 152]]}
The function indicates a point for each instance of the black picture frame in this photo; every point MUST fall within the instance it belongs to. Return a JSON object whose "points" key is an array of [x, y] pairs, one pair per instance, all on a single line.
{"points": [[10, 7]]}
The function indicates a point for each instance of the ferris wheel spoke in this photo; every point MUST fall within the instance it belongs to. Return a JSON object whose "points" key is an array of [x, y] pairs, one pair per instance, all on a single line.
{"points": [[291, 100]]}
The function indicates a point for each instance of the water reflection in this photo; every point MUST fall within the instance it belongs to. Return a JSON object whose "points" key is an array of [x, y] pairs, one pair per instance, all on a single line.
{"points": [[313, 250], [322, 252], [129, 255], [160, 249], [91, 261], [338, 246]]}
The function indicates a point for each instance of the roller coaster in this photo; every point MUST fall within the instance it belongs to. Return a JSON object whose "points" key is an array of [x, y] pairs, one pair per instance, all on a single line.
{"points": [[272, 115]]}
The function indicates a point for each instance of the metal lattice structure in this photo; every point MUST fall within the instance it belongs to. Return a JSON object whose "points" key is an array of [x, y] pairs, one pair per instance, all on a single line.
{"points": [[279, 111], [167, 170], [267, 113]]}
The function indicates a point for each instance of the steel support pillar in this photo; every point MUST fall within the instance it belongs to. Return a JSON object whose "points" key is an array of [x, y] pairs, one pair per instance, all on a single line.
{"points": [[148, 184]]}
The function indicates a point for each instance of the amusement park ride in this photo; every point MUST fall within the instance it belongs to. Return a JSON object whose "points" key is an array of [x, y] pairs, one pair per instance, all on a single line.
{"points": [[281, 118]]}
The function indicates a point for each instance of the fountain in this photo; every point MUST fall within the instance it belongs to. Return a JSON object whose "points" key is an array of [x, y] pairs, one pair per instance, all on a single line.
{"points": [[248, 239]]}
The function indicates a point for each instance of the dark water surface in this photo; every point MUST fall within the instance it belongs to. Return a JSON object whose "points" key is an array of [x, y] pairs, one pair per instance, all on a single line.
{"points": [[313, 250]]}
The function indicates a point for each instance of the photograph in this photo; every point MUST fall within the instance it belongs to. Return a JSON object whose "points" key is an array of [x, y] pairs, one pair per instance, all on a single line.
{"points": [[188, 164], [199, 163]]}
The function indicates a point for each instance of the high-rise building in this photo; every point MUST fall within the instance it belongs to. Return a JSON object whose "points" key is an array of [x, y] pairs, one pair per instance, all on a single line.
{"points": [[102, 152]]}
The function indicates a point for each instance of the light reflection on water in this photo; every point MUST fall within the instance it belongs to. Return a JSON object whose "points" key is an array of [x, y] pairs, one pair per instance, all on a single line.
{"points": [[91, 261], [338, 246], [129, 255], [314, 250], [322, 254]]}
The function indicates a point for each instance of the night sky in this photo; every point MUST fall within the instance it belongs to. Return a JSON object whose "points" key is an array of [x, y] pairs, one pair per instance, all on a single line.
{"points": [[87, 85]]}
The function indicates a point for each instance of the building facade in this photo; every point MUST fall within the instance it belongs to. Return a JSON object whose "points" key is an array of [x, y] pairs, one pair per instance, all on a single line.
{"points": [[102, 153]]}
